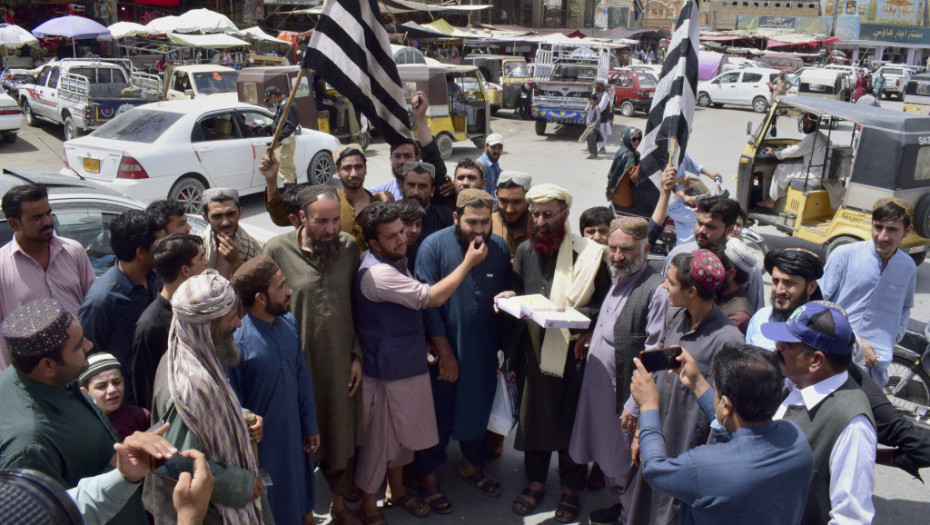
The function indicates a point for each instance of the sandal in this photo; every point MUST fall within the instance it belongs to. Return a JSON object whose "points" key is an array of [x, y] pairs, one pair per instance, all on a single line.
{"points": [[436, 500], [377, 519], [412, 504], [486, 484], [345, 516], [522, 505], [596, 479], [568, 507]]}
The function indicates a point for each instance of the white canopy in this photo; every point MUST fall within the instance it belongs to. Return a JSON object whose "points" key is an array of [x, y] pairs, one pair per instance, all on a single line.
{"points": [[256, 33], [205, 21], [14, 37], [124, 29], [162, 26], [216, 41]]}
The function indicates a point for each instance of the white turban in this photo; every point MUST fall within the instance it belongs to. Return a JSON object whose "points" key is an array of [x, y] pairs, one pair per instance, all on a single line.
{"points": [[546, 192]]}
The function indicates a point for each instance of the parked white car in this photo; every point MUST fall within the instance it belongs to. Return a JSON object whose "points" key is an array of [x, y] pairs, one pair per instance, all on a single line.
{"points": [[10, 117], [896, 78], [744, 87], [177, 149]]}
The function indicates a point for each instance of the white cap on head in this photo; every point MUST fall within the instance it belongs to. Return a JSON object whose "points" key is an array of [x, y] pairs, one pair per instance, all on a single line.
{"points": [[494, 139], [739, 255]]}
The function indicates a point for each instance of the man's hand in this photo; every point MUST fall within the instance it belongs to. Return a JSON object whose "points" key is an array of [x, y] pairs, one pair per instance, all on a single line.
{"points": [[582, 345], [311, 443], [257, 489], [668, 180], [448, 365], [447, 187], [256, 425], [228, 249], [419, 103], [475, 254], [502, 295], [383, 196], [634, 449], [135, 455], [771, 151], [871, 358], [628, 422], [192, 493], [690, 374], [355, 376], [643, 388], [269, 168], [690, 200]]}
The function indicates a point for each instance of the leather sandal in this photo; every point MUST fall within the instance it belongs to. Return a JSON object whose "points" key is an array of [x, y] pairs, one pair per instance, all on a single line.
{"points": [[436, 500], [412, 504], [486, 484], [569, 506], [522, 505]]}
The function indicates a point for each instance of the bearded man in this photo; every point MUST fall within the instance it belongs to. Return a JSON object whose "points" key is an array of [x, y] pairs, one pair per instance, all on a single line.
{"points": [[510, 220], [794, 274], [192, 394], [570, 271], [319, 263], [629, 322]]}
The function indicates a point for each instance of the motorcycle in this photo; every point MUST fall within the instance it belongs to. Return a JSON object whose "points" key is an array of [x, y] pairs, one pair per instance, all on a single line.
{"points": [[908, 386]]}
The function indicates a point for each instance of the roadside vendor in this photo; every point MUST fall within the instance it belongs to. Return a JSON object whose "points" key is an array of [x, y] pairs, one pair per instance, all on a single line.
{"points": [[811, 151]]}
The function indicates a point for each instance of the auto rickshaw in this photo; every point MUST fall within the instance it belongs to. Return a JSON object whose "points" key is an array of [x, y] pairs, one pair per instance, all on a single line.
{"points": [[253, 81], [510, 72], [874, 153], [458, 105]]}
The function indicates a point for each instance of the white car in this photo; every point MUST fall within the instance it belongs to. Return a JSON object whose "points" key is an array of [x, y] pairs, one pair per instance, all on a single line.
{"points": [[176, 149], [896, 78], [744, 87], [10, 117]]}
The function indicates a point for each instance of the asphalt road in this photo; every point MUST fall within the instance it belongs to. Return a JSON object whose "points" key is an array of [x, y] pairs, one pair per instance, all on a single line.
{"points": [[716, 141]]}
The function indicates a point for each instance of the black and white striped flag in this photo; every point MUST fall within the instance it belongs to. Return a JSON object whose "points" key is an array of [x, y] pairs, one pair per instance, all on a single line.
{"points": [[672, 110], [350, 49]]}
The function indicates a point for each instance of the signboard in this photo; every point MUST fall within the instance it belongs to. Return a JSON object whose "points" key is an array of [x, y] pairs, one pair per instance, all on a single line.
{"points": [[847, 27], [892, 12], [816, 25], [894, 34]]}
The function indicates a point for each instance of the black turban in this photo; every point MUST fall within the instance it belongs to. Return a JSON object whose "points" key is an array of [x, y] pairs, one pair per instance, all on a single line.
{"points": [[795, 261]]}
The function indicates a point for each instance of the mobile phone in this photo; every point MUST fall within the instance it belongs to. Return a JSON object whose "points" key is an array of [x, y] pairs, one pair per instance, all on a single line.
{"points": [[173, 468], [661, 358]]}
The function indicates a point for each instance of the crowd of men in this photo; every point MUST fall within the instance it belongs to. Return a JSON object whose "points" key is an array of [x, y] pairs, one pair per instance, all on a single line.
{"points": [[367, 338]]}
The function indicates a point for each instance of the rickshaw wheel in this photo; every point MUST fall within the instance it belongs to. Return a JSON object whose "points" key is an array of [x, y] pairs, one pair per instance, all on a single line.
{"points": [[444, 143], [478, 141], [364, 140], [839, 241], [922, 216]]}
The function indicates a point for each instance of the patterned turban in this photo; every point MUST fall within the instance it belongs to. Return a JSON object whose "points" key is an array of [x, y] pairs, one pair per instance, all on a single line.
{"points": [[636, 227], [36, 328], [707, 270]]}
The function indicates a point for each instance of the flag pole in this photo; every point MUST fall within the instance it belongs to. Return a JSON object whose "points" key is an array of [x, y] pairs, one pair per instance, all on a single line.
{"points": [[671, 151], [287, 108]]}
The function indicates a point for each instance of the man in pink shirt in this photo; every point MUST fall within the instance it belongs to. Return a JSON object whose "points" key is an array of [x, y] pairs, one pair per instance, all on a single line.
{"points": [[36, 263]]}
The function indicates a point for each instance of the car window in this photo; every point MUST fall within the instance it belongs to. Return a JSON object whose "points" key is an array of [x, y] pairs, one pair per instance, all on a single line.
{"points": [[53, 77], [43, 76], [100, 75], [138, 125], [219, 127], [91, 228], [209, 82], [751, 77], [256, 124], [727, 78], [515, 69], [646, 81]]}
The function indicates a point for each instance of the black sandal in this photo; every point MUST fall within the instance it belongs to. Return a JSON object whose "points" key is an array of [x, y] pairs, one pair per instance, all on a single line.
{"points": [[569, 506], [522, 505]]}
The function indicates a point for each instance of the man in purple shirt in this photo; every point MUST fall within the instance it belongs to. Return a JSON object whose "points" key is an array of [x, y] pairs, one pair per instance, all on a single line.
{"points": [[37, 264]]}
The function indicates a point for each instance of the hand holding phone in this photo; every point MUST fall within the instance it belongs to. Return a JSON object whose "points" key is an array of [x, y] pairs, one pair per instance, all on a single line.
{"points": [[661, 359]]}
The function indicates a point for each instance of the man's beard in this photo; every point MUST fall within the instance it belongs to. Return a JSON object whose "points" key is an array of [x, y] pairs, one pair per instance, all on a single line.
{"points": [[516, 225], [323, 252], [780, 315], [225, 347], [464, 241], [277, 309], [704, 242], [629, 268], [545, 240]]}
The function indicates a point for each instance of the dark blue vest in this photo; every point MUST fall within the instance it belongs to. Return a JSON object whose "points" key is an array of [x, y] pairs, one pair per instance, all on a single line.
{"points": [[392, 336]]}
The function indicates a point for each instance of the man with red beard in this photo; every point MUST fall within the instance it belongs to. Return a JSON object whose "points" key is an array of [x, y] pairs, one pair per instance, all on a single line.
{"points": [[465, 378], [571, 271]]}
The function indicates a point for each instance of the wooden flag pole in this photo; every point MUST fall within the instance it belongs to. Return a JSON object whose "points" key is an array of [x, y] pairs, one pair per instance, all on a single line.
{"points": [[671, 151], [287, 108]]}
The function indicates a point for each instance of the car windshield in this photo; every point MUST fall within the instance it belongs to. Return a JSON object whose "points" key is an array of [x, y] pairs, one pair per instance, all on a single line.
{"points": [[138, 125], [646, 81], [209, 82], [515, 69]]}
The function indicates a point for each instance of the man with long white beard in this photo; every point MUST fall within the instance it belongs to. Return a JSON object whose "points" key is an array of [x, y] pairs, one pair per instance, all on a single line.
{"points": [[570, 271], [192, 394], [629, 322]]}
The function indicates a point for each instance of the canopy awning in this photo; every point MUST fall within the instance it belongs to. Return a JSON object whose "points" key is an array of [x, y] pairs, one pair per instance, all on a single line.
{"points": [[218, 41], [434, 8], [256, 33], [721, 38]]}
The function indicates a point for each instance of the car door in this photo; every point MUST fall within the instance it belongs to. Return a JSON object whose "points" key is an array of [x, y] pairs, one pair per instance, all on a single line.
{"points": [[37, 100], [257, 127], [226, 155], [750, 85], [52, 93], [89, 224], [723, 88]]}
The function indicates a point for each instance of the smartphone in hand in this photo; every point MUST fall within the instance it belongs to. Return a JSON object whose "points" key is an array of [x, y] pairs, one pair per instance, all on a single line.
{"points": [[661, 359], [173, 468]]}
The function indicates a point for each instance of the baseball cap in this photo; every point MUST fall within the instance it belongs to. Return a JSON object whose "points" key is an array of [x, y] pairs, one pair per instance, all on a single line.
{"points": [[494, 139], [820, 325], [272, 90]]}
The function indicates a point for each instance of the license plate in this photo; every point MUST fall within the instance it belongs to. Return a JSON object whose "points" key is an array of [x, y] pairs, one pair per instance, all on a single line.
{"points": [[92, 165]]}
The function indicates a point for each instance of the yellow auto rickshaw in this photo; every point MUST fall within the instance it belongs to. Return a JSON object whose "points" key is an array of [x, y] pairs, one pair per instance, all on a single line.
{"points": [[508, 72], [458, 104]]}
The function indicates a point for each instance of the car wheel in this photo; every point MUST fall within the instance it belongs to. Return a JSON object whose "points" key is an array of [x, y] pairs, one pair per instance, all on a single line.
{"points": [[444, 143], [836, 243], [703, 99], [30, 116], [188, 191], [919, 258], [479, 141], [71, 131], [627, 109], [321, 168], [540, 127], [760, 105], [9, 138]]}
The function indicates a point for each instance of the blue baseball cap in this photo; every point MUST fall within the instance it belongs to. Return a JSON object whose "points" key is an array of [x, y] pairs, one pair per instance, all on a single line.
{"points": [[820, 325]]}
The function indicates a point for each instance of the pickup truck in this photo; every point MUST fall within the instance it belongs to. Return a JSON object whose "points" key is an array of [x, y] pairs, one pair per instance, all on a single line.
{"points": [[84, 94], [562, 80], [200, 81]]}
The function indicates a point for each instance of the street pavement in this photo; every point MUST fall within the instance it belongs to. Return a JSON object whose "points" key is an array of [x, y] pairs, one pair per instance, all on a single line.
{"points": [[716, 142]]}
